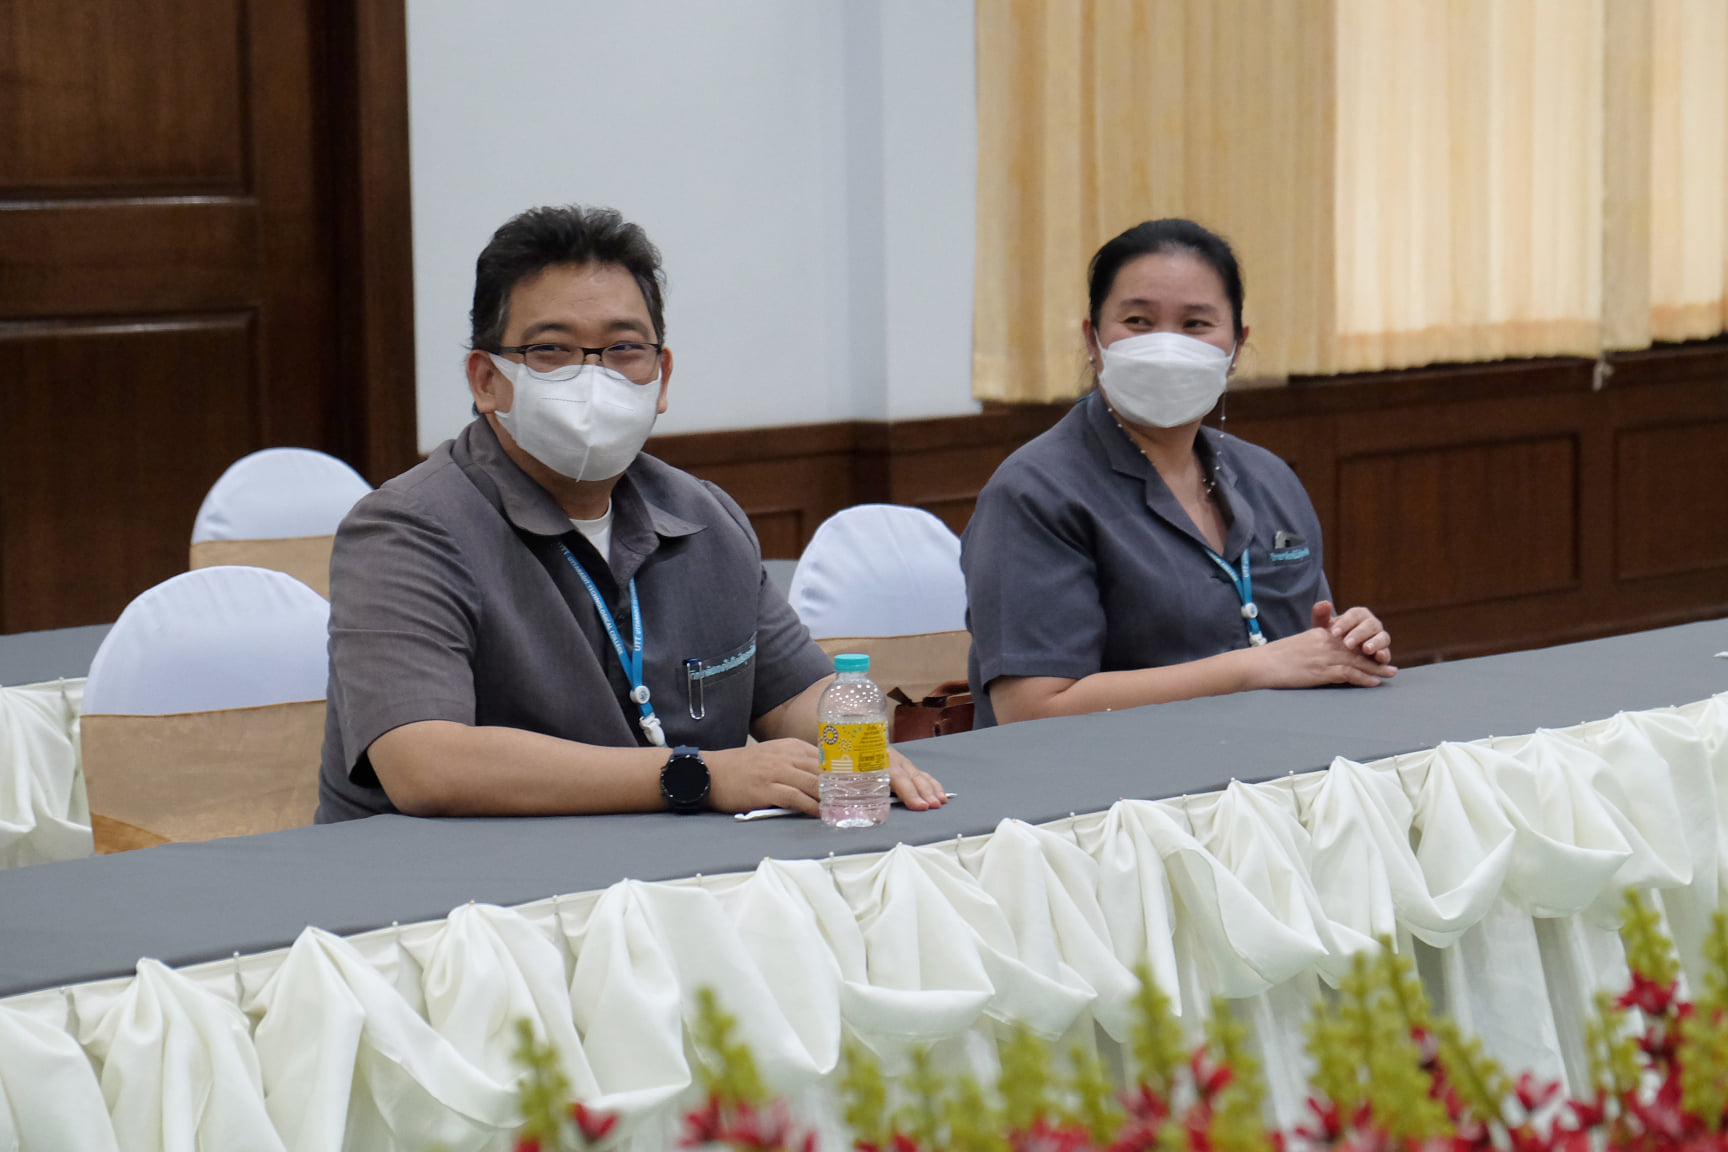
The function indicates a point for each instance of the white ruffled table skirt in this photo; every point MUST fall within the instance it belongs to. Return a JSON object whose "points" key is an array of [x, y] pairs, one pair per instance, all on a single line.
{"points": [[44, 815], [1499, 863]]}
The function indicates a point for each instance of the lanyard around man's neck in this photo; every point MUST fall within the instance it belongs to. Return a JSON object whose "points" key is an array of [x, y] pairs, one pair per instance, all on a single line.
{"points": [[631, 657]]}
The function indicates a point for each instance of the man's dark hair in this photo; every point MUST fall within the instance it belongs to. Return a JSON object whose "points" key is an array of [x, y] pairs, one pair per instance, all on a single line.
{"points": [[1153, 237], [535, 240]]}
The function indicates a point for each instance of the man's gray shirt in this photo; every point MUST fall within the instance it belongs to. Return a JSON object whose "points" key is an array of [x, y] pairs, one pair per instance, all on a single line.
{"points": [[451, 599], [1079, 559]]}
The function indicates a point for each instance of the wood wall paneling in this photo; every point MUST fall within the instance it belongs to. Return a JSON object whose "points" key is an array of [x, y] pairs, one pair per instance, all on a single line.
{"points": [[1457, 525], [1671, 499], [1665, 479], [788, 479]]}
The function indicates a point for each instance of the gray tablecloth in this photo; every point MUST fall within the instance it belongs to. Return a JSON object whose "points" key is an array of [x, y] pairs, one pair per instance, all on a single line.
{"points": [[57, 654], [183, 903]]}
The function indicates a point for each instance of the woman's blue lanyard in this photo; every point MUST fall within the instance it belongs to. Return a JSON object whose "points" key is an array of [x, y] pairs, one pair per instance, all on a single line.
{"points": [[630, 658], [1245, 589]]}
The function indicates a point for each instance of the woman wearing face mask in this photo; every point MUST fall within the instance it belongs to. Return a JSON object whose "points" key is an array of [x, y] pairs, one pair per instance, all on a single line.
{"points": [[1130, 556]]}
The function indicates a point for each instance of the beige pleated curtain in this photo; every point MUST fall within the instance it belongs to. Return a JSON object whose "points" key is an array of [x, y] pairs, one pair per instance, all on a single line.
{"points": [[1406, 181]]}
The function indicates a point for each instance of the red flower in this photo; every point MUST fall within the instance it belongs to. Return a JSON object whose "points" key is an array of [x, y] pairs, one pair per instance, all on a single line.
{"points": [[1662, 1117], [1589, 1113], [1364, 1139], [593, 1125], [1427, 1046], [1647, 996], [1042, 1136], [527, 1144], [1135, 1137], [1533, 1094], [1526, 1139], [701, 1125], [1330, 1123], [1472, 1134], [1145, 1104], [745, 1128], [1209, 1081], [765, 1130]]}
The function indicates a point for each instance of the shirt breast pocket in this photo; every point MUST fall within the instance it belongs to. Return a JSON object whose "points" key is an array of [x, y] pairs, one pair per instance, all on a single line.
{"points": [[1286, 584], [722, 686]]}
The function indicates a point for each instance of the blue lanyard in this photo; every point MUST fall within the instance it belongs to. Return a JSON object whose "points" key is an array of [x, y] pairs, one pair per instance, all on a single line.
{"points": [[1245, 589], [630, 658]]}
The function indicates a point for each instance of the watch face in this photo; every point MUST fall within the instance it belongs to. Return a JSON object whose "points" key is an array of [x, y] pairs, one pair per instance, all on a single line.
{"points": [[684, 780]]}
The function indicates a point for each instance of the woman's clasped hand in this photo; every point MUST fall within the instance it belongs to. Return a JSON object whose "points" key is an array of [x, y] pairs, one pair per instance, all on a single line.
{"points": [[1349, 648]]}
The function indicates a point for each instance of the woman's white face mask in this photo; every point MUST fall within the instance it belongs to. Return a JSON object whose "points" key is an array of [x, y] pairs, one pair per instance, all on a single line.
{"points": [[589, 427], [1164, 379]]}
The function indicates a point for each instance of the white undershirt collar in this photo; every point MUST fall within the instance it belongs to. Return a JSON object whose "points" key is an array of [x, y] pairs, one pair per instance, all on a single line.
{"points": [[597, 532]]}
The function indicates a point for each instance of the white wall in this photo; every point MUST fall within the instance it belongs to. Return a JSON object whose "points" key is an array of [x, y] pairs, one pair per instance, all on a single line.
{"points": [[806, 167]]}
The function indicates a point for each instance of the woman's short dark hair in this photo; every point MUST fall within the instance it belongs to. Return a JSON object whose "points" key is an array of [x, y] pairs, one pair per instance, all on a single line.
{"points": [[1153, 237], [535, 240]]}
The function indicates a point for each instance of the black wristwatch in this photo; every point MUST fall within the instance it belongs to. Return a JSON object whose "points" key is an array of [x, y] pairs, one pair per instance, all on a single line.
{"points": [[684, 780]]}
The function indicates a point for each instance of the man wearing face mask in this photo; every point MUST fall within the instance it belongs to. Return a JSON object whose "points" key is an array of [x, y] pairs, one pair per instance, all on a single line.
{"points": [[541, 618], [1130, 556]]}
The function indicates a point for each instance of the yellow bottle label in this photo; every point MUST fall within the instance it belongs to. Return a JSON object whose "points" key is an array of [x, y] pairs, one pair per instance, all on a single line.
{"points": [[854, 747]]}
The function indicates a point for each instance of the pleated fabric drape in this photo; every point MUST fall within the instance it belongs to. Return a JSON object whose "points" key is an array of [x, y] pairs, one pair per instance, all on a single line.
{"points": [[44, 808], [1499, 864], [1406, 183]]}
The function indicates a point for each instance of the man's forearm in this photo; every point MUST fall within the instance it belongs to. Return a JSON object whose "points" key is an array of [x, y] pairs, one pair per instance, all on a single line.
{"points": [[440, 768]]}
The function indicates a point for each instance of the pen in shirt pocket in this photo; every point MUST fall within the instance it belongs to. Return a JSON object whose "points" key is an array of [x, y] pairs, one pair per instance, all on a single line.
{"points": [[693, 683]]}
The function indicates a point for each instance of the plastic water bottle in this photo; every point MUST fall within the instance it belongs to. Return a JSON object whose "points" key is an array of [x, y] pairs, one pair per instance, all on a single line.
{"points": [[853, 739]]}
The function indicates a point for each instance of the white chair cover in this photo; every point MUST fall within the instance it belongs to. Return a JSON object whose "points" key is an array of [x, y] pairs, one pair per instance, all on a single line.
{"points": [[880, 570], [225, 637], [277, 493]]}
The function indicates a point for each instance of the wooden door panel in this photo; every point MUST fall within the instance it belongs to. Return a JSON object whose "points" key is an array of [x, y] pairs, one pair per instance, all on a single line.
{"points": [[145, 95], [170, 199], [91, 518], [69, 258]]}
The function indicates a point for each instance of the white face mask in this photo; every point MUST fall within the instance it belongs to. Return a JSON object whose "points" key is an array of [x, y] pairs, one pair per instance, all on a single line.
{"points": [[588, 427], [1164, 379]]}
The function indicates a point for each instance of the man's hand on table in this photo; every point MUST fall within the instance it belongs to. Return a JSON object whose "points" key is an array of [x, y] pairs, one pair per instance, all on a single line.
{"points": [[770, 774]]}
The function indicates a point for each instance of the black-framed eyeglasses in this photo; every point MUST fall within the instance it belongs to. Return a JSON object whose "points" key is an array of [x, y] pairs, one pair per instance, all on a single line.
{"points": [[633, 359]]}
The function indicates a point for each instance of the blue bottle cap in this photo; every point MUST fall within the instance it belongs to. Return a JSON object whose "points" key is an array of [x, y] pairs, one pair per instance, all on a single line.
{"points": [[852, 662]]}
